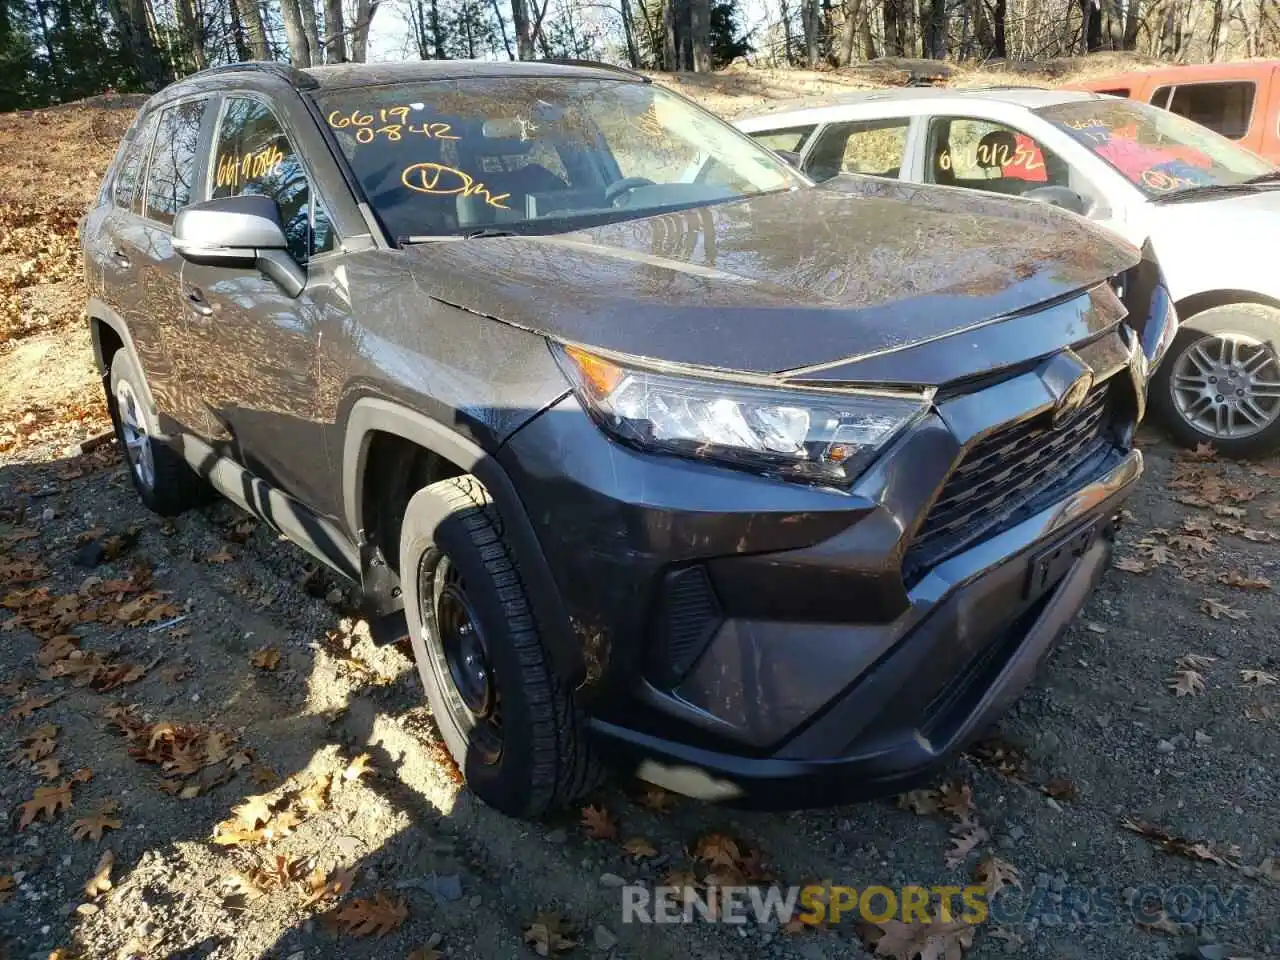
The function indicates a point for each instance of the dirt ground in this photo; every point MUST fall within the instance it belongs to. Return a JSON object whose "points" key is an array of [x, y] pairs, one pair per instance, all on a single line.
{"points": [[193, 697]]}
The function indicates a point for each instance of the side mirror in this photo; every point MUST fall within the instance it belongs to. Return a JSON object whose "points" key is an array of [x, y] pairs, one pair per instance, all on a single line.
{"points": [[243, 232], [1063, 197]]}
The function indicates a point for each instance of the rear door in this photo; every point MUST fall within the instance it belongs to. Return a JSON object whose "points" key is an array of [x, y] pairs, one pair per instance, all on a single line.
{"points": [[144, 247], [253, 350]]}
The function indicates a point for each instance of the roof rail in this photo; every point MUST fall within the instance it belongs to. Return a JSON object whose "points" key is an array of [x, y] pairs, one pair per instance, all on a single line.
{"points": [[289, 74], [596, 65]]}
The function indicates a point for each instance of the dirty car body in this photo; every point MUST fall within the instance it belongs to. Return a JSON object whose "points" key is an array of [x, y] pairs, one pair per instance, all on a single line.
{"points": [[798, 500]]}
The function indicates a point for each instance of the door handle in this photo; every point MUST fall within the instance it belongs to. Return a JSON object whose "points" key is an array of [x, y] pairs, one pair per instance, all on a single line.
{"points": [[120, 257], [197, 302]]}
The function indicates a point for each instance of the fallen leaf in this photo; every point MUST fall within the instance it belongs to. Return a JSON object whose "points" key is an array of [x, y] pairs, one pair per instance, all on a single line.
{"points": [[1186, 683], [956, 800], [1192, 850], [640, 848], [653, 797], [27, 707], [1258, 678], [340, 881], [316, 795], [358, 767], [896, 940], [425, 953], [1219, 609], [229, 833], [1235, 578], [1196, 661], [964, 841], [923, 802], [1200, 546], [221, 555], [996, 874], [598, 823], [91, 827], [46, 800], [100, 882], [254, 812], [49, 769], [549, 933], [265, 658], [1061, 788], [374, 917], [718, 850]]}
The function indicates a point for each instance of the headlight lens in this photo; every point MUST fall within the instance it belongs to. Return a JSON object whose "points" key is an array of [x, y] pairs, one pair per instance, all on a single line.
{"points": [[1160, 329], [813, 435]]}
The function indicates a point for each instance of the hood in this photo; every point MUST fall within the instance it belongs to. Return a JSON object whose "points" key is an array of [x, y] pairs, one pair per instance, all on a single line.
{"points": [[783, 281]]}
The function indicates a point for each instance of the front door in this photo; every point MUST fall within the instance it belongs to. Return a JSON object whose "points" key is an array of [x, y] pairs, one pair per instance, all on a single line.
{"points": [[254, 347]]}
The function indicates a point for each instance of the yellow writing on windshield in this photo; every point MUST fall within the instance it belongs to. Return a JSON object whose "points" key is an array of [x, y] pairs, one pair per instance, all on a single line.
{"points": [[389, 122], [235, 169], [442, 181]]}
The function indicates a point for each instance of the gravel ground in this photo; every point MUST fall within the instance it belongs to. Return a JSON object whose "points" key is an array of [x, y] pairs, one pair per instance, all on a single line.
{"points": [[217, 718]]}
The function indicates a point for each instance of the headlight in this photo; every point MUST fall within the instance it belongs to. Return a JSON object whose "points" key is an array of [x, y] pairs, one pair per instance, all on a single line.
{"points": [[1160, 329], [815, 435]]}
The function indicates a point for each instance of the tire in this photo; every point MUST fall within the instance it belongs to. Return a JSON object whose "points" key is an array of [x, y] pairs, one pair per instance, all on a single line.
{"points": [[164, 481], [452, 554], [1253, 328]]}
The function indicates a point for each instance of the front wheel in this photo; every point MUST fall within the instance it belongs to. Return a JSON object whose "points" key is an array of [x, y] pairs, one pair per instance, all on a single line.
{"points": [[1220, 383], [507, 720]]}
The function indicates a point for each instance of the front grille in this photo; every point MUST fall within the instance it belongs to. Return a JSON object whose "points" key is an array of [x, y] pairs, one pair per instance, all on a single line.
{"points": [[1007, 471], [690, 615]]}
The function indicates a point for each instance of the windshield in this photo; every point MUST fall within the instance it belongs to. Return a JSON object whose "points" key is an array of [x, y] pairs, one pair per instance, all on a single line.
{"points": [[1157, 151], [538, 155]]}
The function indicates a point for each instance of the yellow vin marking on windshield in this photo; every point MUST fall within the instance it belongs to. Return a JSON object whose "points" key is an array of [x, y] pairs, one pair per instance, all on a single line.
{"points": [[236, 169], [442, 181]]}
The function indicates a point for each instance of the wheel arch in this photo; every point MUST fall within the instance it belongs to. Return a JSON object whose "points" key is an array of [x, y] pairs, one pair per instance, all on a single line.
{"points": [[109, 334], [372, 417], [1195, 303]]}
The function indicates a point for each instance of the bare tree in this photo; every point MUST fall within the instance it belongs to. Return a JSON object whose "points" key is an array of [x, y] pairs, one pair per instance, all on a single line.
{"points": [[365, 9], [700, 34], [299, 51], [255, 32], [335, 35]]}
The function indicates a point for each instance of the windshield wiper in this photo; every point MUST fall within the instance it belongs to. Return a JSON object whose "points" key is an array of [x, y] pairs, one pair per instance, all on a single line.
{"points": [[1204, 191], [480, 233], [1271, 176]]}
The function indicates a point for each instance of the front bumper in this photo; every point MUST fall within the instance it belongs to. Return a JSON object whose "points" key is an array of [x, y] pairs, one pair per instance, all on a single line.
{"points": [[741, 636], [974, 636]]}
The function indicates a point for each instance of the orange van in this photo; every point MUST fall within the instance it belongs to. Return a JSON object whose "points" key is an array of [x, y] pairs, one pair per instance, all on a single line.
{"points": [[1241, 101]]}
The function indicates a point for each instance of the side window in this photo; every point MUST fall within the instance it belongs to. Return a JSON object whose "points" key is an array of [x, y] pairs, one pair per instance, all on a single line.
{"points": [[134, 163], [172, 171], [1161, 97], [988, 156], [1115, 92], [872, 147], [790, 140], [1225, 108], [253, 156]]}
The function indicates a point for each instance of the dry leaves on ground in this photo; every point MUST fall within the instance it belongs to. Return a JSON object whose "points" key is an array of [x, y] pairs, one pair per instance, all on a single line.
{"points": [[996, 874], [1219, 608], [1258, 678], [377, 916], [265, 658], [46, 800], [92, 826], [337, 883], [358, 767], [1192, 850], [549, 933], [1186, 683], [639, 848], [936, 940], [599, 823]]}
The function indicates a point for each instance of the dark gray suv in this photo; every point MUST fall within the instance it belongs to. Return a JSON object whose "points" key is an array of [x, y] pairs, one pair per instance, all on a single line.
{"points": [[766, 490]]}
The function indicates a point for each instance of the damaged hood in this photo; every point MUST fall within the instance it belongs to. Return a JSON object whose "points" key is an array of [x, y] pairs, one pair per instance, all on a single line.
{"points": [[783, 281]]}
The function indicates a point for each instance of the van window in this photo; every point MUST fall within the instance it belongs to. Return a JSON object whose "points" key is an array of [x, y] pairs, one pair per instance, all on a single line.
{"points": [[1116, 92], [789, 140], [172, 172], [1224, 108]]}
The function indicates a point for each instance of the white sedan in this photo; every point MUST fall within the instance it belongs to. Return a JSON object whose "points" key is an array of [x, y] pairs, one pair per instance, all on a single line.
{"points": [[1209, 209]]}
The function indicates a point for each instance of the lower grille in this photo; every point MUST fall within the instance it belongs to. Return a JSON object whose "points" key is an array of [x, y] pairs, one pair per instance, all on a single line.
{"points": [[1009, 469], [690, 615]]}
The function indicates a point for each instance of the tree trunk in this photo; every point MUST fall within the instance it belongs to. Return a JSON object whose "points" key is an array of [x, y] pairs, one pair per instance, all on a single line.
{"points": [[999, 12], [437, 32], [130, 17], [700, 34], [308, 10], [365, 9], [892, 30], [809, 19], [502, 25], [255, 33], [523, 27], [1131, 22], [629, 32], [335, 39], [1091, 29], [299, 52], [933, 30], [670, 38]]}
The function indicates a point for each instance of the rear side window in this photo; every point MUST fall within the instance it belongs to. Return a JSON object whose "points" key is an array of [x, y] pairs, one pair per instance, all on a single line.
{"points": [[790, 140], [1115, 92], [1224, 108], [871, 147], [134, 163], [253, 156], [172, 171]]}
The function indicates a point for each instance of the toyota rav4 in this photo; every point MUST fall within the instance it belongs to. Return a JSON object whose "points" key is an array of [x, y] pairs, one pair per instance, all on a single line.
{"points": [[765, 490]]}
